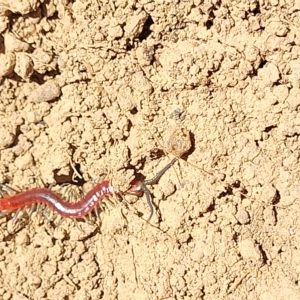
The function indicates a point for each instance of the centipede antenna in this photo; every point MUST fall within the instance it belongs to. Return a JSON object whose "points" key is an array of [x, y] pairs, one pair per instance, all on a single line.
{"points": [[160, 173], [149, 201]]}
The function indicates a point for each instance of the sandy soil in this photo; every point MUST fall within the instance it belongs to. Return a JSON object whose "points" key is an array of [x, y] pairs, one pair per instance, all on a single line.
{"points": [[98, 89]]}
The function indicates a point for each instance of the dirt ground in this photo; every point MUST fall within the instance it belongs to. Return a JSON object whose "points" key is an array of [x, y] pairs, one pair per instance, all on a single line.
{"points": [[93, 89]]}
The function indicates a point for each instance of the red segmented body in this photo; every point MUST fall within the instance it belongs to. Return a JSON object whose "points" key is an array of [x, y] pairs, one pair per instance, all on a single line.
{"points": [[85, 205], [55, 202]]}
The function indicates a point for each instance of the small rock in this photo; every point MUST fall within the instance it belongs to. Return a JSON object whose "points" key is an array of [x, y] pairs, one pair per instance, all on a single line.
{"points": [[135, 24], [47, 92], [179, 142], [242, 216]]}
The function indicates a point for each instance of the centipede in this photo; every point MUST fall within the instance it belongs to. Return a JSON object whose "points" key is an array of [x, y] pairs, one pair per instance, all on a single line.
{"points": [[92, 201]]}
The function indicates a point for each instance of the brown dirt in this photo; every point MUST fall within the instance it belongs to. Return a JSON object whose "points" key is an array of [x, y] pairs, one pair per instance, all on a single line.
{"points": [[102, 86]]}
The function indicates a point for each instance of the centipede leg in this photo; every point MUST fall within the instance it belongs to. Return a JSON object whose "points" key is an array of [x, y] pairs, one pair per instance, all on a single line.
{"points": [[89, 217], [38, 209], [4, 213], [32, 210], [60, 222], [96, 213], [111, 203], [8, 190], [47, 214], [16, 216], [77, 225], [104, 206]]}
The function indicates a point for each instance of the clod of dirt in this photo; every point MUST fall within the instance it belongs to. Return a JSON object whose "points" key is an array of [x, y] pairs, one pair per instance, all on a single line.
{"points": [[42, 60], [7, 138], [293, 98], [141, 84], [12, 44], [22, 7], [7, 64], [81, 233], [145, 55], [46, 92], [179, 142], [248, 250], [242, 216], [135, 25], [24, 65], [24, 162]]}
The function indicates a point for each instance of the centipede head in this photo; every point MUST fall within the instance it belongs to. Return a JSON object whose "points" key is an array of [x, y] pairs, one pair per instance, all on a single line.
{"points": [[136, 188]]}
